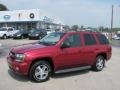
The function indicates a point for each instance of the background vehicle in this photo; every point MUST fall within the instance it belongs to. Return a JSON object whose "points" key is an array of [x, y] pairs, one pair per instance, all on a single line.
{"points": [[50, 31], [6, 32], [21, 34], [37, 34], [60, 52], [117, 37]]}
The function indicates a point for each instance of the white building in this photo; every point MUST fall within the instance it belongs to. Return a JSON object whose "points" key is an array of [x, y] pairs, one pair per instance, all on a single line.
{"points": [[28, 19]]}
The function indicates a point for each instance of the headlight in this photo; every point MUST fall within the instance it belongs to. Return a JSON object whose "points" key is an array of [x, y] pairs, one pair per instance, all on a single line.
{"points": [[19, 57]]}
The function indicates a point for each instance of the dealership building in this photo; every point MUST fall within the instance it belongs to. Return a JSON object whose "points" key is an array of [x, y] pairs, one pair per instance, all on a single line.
{"points": [[29, 19]]}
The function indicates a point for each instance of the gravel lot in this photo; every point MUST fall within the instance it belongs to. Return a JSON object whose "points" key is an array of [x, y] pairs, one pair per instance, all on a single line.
{"points": [[108, 79]]}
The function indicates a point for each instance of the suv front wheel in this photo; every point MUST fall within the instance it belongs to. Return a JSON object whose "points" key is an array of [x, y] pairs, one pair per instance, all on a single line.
{"points": [[99, 64], [5, 36], [40, 71]]}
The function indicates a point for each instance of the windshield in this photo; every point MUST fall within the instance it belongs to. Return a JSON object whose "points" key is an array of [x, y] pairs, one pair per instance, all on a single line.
{"points": [[35, 31], [3, 29], [52, 39]]}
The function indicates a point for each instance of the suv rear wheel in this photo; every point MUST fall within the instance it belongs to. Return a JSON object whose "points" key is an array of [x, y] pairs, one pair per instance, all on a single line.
{"points": [[40, 71], [99, 64]]}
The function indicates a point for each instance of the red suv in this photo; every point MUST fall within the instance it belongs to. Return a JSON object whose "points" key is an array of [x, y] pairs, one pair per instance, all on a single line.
{"points": [[60, 52]]}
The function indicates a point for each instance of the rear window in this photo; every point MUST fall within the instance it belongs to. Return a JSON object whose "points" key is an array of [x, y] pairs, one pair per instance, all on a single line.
{"points": [[102, 39]]}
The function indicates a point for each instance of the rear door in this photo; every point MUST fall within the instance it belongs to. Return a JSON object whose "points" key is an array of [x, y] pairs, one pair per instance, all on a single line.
{"points": [[90, 46]]}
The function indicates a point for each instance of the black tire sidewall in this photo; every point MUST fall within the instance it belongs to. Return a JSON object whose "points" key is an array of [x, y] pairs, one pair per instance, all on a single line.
{"points": [[4, 36], [95, 67], [34, 66]]}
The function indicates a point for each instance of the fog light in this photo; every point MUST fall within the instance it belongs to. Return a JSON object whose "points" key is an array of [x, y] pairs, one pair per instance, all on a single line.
{"points": [[17, 68]]}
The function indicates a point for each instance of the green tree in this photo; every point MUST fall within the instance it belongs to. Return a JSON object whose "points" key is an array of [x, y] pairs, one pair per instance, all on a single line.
{"points": [[82, 27], [66, 27], [3, 7], [75, 27], [101, 28]]}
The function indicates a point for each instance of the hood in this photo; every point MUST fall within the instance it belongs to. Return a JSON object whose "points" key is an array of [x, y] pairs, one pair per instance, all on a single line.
{"points": [[27, 47], [17, 33], [2, 32]]}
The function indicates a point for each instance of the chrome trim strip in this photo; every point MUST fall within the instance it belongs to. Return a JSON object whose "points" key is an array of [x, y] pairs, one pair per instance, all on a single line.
{"points": [[73, 69]]}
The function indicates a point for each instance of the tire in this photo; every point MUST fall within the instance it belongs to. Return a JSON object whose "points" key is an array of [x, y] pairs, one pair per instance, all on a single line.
{"points": [[40, 71], [99, 64], [4, 37]]}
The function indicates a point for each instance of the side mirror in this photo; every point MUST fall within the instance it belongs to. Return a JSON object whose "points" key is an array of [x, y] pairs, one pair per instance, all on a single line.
{"points": [[65, 45]]}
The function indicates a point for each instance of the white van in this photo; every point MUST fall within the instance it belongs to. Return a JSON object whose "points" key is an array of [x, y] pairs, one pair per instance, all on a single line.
{"points": [[6, 32]]}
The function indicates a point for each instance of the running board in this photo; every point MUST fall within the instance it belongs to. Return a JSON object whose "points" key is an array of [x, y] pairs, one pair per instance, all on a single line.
{"points": [[73, 69]]}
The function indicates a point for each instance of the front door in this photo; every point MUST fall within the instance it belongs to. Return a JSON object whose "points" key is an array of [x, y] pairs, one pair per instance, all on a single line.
{"points": [[71, 55]]}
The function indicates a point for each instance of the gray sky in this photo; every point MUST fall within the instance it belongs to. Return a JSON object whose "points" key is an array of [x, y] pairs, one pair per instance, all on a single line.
{"points": [[82, 12]]}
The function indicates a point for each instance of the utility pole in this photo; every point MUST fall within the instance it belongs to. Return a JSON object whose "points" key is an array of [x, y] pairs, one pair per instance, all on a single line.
{"points": [[112, 13]]}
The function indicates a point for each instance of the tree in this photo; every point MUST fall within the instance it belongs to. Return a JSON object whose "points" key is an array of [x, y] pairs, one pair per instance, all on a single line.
{"points": [[101, 28], [3, 7], [75, 27], [82, 27], [66, 27]]}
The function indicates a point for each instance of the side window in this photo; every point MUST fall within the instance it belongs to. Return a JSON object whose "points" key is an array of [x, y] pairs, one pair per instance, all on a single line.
{"points": [[73, 40], [89, 39], [10, 29], [102, 39]]}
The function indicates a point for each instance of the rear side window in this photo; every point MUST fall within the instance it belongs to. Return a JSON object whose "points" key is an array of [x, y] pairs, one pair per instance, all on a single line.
{"points": [[102, 39], [10, 29], [89, 39]]}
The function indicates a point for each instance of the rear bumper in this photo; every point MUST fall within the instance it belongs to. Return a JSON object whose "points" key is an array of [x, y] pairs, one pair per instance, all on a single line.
{"points": [[19, 68]]}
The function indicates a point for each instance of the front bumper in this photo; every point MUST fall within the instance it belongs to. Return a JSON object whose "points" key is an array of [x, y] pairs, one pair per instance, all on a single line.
{"points": [[19, 68]]}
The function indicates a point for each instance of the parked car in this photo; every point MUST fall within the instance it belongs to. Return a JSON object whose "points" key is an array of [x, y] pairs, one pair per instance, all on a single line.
{"points": [[37, 34], [60, 52], [50, 31], [6, 32], [21, 34], [117, 37]]}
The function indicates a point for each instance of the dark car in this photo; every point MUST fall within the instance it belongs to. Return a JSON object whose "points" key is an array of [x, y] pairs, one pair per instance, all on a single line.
{"points": [[60, 52], [21, 34], [37, 34]]}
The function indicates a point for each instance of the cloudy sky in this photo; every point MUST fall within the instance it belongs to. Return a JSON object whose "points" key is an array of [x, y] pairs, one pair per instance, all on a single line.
{"points": [[82, 12]]}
